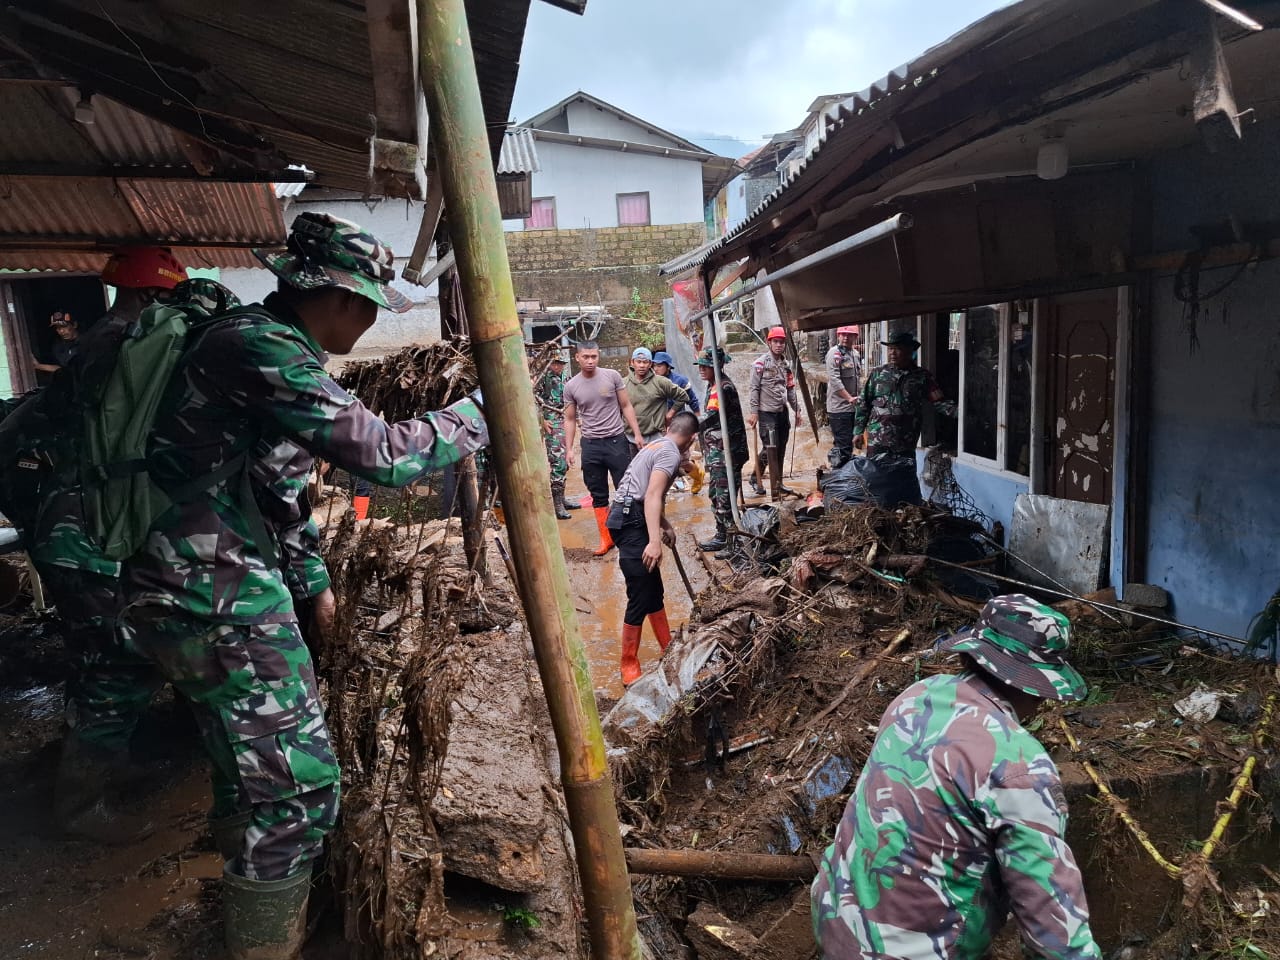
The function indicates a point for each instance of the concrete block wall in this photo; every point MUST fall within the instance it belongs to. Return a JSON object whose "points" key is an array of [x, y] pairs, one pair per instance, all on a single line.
{"points": [[598, 265]]}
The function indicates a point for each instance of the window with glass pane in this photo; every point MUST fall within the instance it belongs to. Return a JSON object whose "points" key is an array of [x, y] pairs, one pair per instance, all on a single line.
{"points": [[633, 209], [542, 214], [1020, 357], [981, 381]]}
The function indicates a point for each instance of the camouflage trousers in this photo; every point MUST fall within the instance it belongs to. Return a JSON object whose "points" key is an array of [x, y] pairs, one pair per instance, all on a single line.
{"points": [[556, 458], [107, 687], [253, 691], [718, 482]]}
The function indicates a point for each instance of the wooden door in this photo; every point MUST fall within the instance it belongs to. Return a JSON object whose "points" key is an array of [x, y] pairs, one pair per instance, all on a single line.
{"points": [[1080, 396]]}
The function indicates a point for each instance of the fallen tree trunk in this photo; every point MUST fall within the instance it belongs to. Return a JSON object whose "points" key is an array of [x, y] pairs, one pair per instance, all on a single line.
{"points": [[719, 865]]}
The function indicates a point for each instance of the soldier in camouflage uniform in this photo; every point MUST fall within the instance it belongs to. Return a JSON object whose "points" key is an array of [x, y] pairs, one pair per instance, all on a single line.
{"points": [[548, 390], [210, 600], [890, 409], [712, 440], [959, 816], [106, 689]]}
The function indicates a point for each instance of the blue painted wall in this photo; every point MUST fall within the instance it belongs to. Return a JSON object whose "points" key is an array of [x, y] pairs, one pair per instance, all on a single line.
{"points": [[994, 493], [1213, 488]]}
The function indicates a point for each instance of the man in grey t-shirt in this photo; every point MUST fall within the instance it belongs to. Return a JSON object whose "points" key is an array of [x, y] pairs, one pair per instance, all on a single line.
{"points": [[640, 528], [844, 371], [596, 402]]}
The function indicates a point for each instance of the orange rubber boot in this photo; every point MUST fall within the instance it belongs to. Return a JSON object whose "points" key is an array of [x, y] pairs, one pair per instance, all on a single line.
{"points": [[361, 507], [661, 629], [630, 654], [606, 539]]}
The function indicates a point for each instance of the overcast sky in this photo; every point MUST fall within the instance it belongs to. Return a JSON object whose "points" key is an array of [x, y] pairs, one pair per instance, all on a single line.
{"points": [[743, 69]]}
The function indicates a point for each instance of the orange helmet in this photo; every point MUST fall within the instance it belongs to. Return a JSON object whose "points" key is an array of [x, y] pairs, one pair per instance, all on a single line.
{"points": [[777, 333], [141, 267], [843, 330]]}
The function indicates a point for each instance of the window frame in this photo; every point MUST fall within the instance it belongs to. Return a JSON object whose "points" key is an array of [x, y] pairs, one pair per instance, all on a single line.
{"points": [[1004, 320], [554, 213], [648, 208]]}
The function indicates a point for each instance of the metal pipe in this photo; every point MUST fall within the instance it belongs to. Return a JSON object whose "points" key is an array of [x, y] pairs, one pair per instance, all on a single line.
{"points": [[1102, 607], [895, 224], [720, 865], [471, 195], [730, 469]]}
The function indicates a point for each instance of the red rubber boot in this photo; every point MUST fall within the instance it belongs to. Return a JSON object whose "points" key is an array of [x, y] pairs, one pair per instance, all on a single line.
{"points": [[630, 654], [606, 539], [661, 629]]}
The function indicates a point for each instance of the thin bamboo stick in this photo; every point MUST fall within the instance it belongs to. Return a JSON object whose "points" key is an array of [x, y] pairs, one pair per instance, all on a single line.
{"points": [[471, 196], [1242, 782], [1122, 811]]}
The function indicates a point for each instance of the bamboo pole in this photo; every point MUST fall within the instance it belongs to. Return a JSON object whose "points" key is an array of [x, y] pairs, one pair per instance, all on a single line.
{"points": [[720, 864], [1121, 808], [1241, 784], [471, 196]]}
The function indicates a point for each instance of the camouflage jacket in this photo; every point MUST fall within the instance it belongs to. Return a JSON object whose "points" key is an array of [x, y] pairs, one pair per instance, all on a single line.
{"points": [[709, 425], [256, 385], [891, 408], [957, 819], [548, 390]]}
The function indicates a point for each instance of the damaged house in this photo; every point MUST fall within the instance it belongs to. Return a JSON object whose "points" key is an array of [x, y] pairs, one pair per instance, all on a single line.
{"points": [[1087, 253]]}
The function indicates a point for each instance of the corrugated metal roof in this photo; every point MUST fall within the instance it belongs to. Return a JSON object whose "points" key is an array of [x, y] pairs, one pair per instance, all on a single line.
{"points": [[90, 262], [91, 213], [519, 152], [851, 122], [286, 82]]}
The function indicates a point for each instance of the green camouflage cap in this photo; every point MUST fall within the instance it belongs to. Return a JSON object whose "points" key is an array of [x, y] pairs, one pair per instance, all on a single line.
{"points": [[327, 251], [704, 358], [1023, 643]]}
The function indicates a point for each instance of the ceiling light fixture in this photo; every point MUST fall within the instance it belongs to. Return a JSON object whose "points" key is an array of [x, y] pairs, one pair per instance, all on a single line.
{"points": [[84, 109]]}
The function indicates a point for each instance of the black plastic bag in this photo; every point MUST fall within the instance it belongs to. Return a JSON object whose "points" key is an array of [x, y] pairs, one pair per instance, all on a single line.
{"points": [[887, 479]]}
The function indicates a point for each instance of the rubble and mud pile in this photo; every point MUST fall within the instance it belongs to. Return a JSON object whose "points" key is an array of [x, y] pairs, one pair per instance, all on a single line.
{"points": [[749, 734]]}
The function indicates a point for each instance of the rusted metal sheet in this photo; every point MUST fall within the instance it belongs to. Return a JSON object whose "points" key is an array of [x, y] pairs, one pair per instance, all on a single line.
{"points": [[1062, 543], [91, 262], [70, 223]]}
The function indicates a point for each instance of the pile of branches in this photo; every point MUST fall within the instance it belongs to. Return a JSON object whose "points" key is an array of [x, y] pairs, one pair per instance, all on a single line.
{"points": [[417, 379], [413, 381], [395, 663]]}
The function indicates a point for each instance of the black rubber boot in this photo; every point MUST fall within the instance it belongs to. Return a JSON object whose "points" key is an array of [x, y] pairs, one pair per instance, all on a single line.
{"points": [[264, 919], [79, 803], [557, 498], [228, 833], [718, 542]]}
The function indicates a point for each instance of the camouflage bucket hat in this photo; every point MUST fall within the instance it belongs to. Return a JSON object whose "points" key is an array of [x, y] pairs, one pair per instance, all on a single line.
{"points": [[704, 358], [1023, 643], [326, 251]]}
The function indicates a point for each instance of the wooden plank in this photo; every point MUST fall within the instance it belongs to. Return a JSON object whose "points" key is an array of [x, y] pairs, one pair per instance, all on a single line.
{"points": [[1214, 105], [725, 282]]}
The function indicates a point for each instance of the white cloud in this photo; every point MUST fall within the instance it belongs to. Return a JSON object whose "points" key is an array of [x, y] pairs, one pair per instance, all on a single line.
{"points": [[743, 68]]}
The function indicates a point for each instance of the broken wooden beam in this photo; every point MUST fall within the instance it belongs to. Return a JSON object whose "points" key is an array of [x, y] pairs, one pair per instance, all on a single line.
{"points": [[1214, 105], [719, 865]]}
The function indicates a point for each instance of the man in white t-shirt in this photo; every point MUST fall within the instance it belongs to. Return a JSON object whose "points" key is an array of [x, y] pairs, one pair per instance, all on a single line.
{"points": [[596, 401], [640, 528]]}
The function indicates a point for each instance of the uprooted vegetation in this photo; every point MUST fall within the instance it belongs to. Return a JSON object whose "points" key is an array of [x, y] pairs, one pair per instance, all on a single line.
{"points": [[788, 674]]}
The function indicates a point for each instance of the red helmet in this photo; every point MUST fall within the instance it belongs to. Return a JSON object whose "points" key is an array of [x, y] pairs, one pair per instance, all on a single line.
{"points": [[777, 333], [141, 267], [843, 330]]}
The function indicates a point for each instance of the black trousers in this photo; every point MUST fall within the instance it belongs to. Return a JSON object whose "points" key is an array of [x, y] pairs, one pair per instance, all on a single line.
{"points": [[645, 593], [602, 459], [842, 433], [775, 429]]}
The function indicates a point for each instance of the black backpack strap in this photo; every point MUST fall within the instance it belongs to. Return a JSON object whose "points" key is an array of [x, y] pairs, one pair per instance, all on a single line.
{"points": [[258, 531]]}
